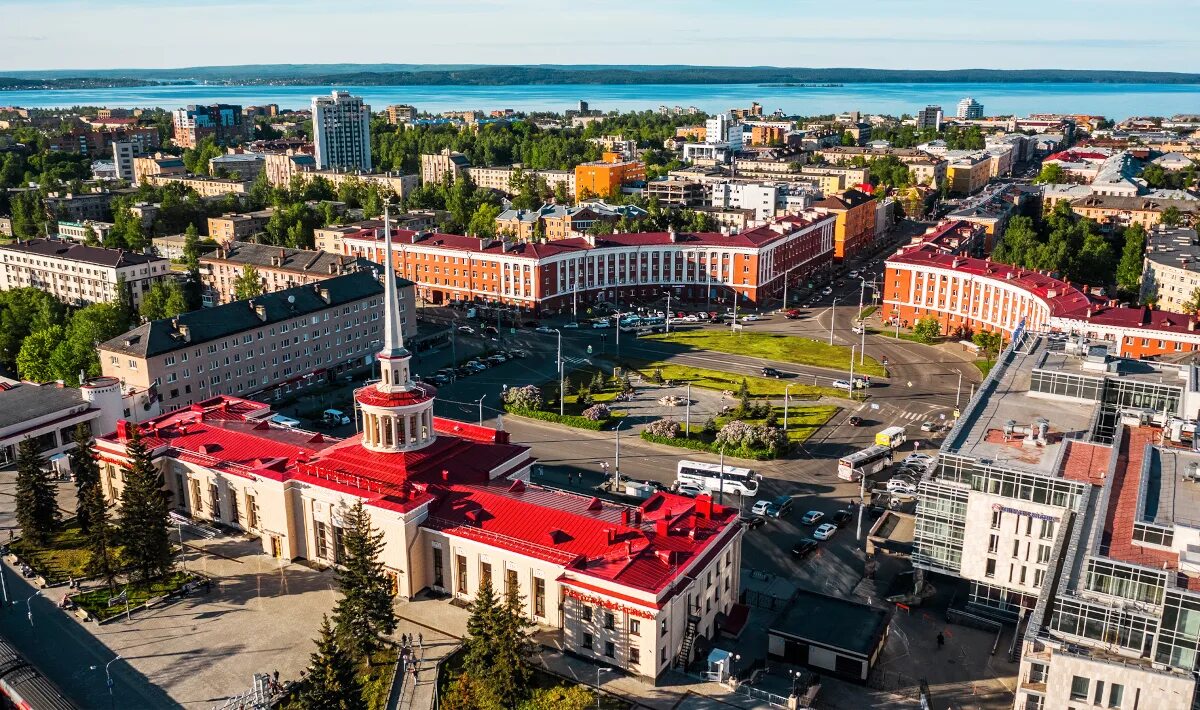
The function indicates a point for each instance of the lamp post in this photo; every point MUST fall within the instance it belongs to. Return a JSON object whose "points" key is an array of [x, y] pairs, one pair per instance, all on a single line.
{"points": [[786, 278], [561, 394], [599, 670], [668, 295], [785, 404], [687, 413], [832, 318], [852, 349], [108, 681], [721, 478], [862, 499], [617, 459], [28, 608], [481, 408]]}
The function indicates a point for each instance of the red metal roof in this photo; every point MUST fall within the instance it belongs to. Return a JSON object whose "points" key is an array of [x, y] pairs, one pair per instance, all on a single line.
{"points": [[644, 548]]}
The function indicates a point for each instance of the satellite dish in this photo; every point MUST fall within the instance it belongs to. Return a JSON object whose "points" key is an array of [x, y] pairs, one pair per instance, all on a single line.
{"points": [[291, 299]]}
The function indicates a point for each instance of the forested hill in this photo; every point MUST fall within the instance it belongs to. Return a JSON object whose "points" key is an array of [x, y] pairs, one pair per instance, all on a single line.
{"points": [[409, 74]]}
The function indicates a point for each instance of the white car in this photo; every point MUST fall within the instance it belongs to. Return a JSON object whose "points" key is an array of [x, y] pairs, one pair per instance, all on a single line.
{"points": [[689, 490], [600, 324], [825, 531], [543, 329], [571, 325], [826, 291], [465, 329], [901, 486], [842, 384], [761, 507], [691, 318], [858, 329], [923, 459], [853, 274], [749, 318]]}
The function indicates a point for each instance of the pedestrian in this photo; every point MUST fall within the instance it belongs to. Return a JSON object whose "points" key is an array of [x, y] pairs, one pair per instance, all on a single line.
{"points": [[275, 675], [421, 640], [941, 640]]}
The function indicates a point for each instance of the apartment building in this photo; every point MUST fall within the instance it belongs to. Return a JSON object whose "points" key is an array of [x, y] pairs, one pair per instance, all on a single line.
{"points": [[80, 207], [675, 193], [270, 345], [855, 213], [224, 122], [968, 173], [157, 164], [398, 114], [99, 142], [499, 178], [438, 167], [123, 153], [282, 167], [240, 165], [76, 274], [995, 205], [330, 238], [203, 186], [232, 226], [831, 179], [838, 155], [342, 132], [602, 178], [970, 109], [1169, 270], [930, 117], [278, 268], [78, 231], [1122, 211], [701, 267]]}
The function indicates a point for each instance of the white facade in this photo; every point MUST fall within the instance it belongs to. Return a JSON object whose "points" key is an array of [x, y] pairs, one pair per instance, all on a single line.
{"points": [[969, 108], [123, 155], [74, 281], [342, 132]]}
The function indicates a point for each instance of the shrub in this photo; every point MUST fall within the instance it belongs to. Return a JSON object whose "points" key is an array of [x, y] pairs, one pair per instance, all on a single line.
{"points": [[656, 376], [527, 397], [710, 427], [667, 428], [735, 434], [597, 412], [584, 398]]}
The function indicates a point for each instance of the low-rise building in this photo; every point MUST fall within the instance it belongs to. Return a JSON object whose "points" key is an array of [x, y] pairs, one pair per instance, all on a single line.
{"points": [[675, 193], [80, 231], [270, 345], [398, 114], [235, 227], [855, 213], [438, 167], [202, 185], [80, 207], [76, 274], [1121, 211], [602, 178], [967, 172], [282, 167], [158, 164], [278, 268], [995, 206], [240, 165]]}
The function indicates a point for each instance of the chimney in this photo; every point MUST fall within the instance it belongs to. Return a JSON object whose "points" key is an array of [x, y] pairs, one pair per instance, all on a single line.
{"points": [[324, 294], [610, 535], [185, 331], [260, 309], [123, 430], [704, 506], [662, 526]]}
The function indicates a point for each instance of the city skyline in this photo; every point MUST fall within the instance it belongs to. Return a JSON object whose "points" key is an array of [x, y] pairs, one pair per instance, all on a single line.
{"points": [[913, 34]]}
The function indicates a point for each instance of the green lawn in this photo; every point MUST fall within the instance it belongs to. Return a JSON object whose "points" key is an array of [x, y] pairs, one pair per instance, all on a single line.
{"points": [[376, 680], [802, 422], [65, 556], [985, 366], [771, 346], [718, 380], [862, 315], [95, 602], [903, 335]]}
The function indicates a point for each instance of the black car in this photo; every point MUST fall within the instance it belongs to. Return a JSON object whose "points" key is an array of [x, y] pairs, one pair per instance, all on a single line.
{"points": [[753, 521], [440, 380], [854, 421], [842, 517], [771, 372], [805, 547], [464, 371]]}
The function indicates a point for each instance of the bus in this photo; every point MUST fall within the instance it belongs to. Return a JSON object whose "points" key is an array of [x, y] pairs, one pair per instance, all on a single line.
{"points": [[893, 437], [708, 476], [867, 462]]}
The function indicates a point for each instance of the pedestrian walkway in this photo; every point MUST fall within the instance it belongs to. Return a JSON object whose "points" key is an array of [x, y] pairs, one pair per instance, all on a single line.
{"points": [[444, 624]]}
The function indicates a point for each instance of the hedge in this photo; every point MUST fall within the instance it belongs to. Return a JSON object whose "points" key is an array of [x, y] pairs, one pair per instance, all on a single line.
{"points": [[570, 420], [698, 445]]}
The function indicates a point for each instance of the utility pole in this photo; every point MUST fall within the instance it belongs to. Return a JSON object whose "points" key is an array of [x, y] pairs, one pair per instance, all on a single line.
{"points": [[832, 318], [785, 404], [561, 394], [720, 477], [668, 312], [852, 348], [687, 418], [862, 499], [958, 391], [617, 460], [481, 408]]}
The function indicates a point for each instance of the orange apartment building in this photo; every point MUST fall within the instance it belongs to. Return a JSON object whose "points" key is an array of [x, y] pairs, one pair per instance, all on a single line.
{"points": [[603, 177], [925, 281], [697, 267], [855, 211]]}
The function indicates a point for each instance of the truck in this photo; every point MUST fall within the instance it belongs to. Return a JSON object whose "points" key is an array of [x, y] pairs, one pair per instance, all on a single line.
{"points": [[892, 437]]}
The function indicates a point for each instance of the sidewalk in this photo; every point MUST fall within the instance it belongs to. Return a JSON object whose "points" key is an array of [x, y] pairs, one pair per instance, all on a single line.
{"points": [[445, 624]]}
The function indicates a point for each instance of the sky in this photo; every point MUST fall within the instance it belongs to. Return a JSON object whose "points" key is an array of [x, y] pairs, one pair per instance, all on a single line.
{"points": [[1150, 35]]}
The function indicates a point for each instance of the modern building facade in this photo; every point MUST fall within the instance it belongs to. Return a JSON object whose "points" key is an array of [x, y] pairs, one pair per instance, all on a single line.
{"points": [[970, 109], [76, 274], [630, 586], [224, 122], [342, 132], [929, 117], [1170, 275], [270, 345]]}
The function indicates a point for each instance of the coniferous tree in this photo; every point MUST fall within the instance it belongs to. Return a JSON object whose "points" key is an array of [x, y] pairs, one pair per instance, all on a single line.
{"points": [[36, 502], [512, 671], [101, 537], [86, 470], [332, 683], [144, 524], [363, 616], [480, 654]]}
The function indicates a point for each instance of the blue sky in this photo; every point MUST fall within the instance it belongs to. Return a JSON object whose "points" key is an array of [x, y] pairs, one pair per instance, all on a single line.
{"points": [[904, 34]]}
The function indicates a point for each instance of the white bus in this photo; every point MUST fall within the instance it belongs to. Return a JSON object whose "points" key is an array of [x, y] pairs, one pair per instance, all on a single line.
{"points": [[867, 462], [708, 476]]}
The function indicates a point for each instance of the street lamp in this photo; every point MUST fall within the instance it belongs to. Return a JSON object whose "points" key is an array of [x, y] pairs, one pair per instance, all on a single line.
{"points": [[786, 277], [599, 670], [481, 407], [561, 394], [28, 608], [617, 460], [108, 681], [668, 295], [832, 318], [687, 413], [785, 404]]}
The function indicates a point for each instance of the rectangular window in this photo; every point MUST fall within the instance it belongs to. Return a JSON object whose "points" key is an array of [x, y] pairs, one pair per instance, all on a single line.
{"points": [[485, 574], [585, 613], [609, 620], [635, 627], [214, 498], [1016, 548], [539, 597], [990, 569], [996, 514], [510, 583], [439, 578], [322, 542], [587, 640], [635, 657], [993, 544], [609, 649], [252, 511], [1116, 695], [460, 562], [1079, 688]]}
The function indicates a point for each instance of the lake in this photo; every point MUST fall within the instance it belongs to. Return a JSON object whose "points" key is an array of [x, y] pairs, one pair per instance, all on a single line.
{"points": [[1116, 101]]}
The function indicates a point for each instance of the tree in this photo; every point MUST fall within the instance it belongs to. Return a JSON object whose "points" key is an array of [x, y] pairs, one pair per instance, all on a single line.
{"points": [[332, 683], [34, 359], [1192, 306], [927, 330], [560, 697], [248, 285], [989, 342], [1129, 268], [479, 650], [35, 500], [483, 221], [848, 139], [1170, 216], [85, 468], [1051, 174], [144, 523], [125, 300], [514, 648], [101, 539], [363, 616]]}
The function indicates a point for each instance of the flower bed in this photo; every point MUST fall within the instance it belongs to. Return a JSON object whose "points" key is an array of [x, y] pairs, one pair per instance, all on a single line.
{"points": [[96, 601], [571, 420]]}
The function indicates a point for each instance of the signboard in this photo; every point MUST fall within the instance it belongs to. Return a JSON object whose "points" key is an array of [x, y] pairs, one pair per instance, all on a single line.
{"points": [[1015, 511]]}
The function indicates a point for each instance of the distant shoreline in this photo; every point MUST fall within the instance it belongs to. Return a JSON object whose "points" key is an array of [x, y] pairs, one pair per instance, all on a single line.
{"points": [[448, 75]]}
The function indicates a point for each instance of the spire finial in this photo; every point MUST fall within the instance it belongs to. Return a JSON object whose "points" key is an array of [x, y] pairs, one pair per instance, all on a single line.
{"points": [[393, 336]]}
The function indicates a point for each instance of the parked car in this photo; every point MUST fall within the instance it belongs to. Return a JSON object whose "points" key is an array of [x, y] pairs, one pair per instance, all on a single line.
{"points": [[826, 291], [689, 490], [805, 547], [853, 274], [691, 318], [440, 380], [825, 531], [812, 517], [771, 372], [464, 371], [334, 417], [842, 384], [899, 485], [750, 318], [761, 507], [842, 517], [925, 459], [571, 325], [543, 329]]}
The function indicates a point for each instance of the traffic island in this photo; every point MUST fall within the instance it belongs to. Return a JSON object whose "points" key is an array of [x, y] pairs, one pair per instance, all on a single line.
{"points": [[772, 346], [758, 438]]}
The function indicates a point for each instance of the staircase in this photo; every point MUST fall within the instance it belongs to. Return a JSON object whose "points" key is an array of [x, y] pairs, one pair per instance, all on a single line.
{"points": [[689, 638]]}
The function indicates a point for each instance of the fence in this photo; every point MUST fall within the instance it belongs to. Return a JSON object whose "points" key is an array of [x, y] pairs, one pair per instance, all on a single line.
{"points": [[779, 701]]}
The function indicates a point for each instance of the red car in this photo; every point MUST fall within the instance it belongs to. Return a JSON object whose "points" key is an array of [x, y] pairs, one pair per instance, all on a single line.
{"points": [[792, 314]]}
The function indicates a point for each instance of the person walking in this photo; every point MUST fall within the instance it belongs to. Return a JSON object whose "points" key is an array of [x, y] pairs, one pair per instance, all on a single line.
{"points": [[941, 640]]}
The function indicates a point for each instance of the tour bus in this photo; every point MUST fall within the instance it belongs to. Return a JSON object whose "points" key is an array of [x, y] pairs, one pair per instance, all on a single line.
{"points": [[893, 437], [867, 462], [708, 476]]}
